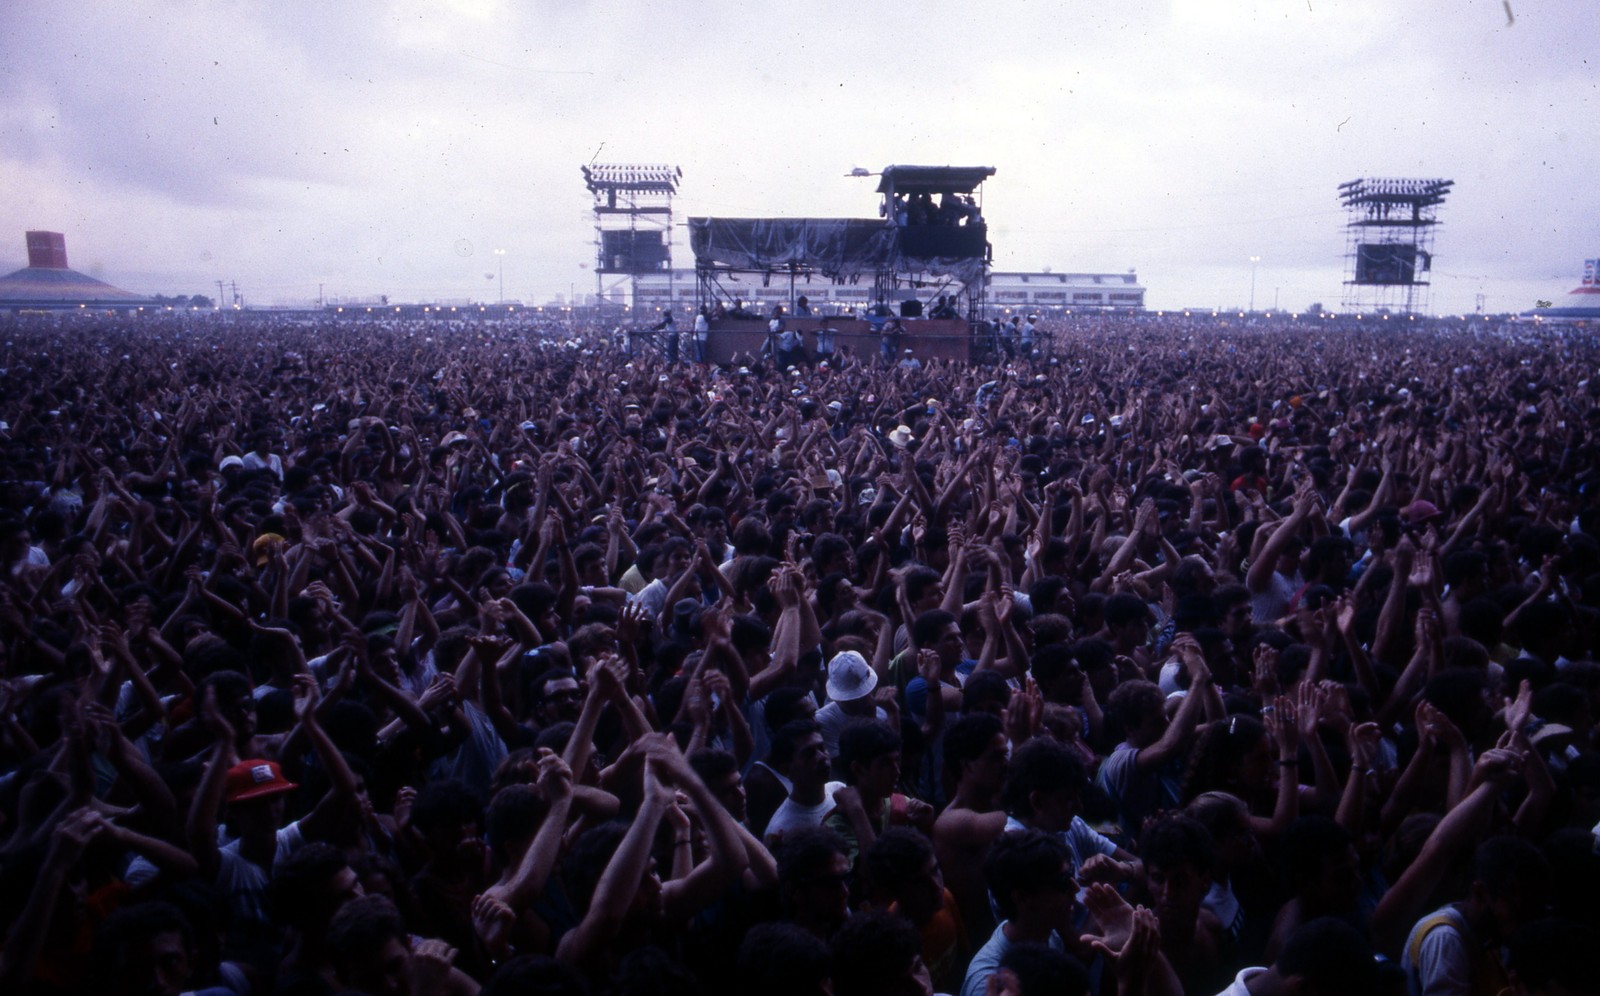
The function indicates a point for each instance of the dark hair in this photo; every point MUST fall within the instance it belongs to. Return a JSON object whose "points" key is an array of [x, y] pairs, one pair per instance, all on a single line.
{"points": [[1129, 703], [1040, 765], [128, 927], [1457, 692], [802, 851], [446, 803], [783, 959], [925, 628], [967, 739], [1124, 608], [1551, 952], [749, 634], [896, 857], [917, 582], [1041, 970], [1093, 655], [1218, 752], [535, 975], [1050, 663], [297, 895], [713, 764], [515, 813], [983, 686], [650, 971], [1309, 843], [587, 860], [872, 952], [863, 741], [826, 547], [1331, 956], [783, 706], [362, 926], [1503, 863], [1174, 839], [1024, 862], [786, 740]]}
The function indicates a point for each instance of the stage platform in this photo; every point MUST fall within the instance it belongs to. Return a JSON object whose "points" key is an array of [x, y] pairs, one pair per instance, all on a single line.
{"points": [[927, 338]]}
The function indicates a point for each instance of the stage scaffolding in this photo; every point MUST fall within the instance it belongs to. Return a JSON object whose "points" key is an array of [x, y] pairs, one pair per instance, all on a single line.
{"points": [[1389, 230], [632, 227]]}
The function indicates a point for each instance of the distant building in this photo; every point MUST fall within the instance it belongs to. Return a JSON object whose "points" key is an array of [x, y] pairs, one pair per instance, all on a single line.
{"points": [[1055, 293], [47, 283], [1044, 292]]}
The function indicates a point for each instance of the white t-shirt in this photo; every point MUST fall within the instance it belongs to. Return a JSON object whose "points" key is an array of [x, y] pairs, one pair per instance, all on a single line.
{"points": [[1239, 988], [272, 462], [792, 815], [833, 721]]}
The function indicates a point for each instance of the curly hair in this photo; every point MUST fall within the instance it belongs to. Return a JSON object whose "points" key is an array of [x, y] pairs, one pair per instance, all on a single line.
{"points": [[1214, 762]]}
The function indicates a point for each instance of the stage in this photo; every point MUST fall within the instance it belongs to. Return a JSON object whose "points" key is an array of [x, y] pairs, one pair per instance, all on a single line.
{"points": [[927, 338]]}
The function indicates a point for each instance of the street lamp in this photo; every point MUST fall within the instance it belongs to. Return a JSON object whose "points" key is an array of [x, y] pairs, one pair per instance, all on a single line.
{"points": [[1253, 261], [500, 257]]}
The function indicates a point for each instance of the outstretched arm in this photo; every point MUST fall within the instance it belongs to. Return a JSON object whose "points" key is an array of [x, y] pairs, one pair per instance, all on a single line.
{"points": [[619, 883]]}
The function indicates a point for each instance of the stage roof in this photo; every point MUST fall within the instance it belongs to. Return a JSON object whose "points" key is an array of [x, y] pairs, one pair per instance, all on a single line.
{"points": [[836, 247], [933, 179]]}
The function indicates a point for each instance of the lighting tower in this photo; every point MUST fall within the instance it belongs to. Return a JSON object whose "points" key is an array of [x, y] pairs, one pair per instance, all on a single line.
{"points": [[632, 225], [1389, 241]]}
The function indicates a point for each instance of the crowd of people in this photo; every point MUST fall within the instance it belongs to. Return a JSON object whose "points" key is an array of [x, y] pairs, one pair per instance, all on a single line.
{"points": [[430, 657]]}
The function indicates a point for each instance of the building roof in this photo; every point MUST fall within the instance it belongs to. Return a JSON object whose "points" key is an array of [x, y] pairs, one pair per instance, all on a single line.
{"points": [[41, 286], [47, 281]]}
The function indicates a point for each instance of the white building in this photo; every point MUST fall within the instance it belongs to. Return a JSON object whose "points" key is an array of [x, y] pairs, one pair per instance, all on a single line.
{"points": [[1061, 292]]}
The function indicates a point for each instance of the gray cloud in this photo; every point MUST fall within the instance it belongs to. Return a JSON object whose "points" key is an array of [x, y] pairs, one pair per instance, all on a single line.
{"points": [[354, 145]]}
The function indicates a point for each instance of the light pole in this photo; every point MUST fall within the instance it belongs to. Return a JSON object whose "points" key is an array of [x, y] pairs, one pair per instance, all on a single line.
{"points": [[500, 256], [1253, 261]]}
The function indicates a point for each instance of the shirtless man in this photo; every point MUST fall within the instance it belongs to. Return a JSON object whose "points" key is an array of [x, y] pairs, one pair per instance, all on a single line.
{"points": [[975, 755]]}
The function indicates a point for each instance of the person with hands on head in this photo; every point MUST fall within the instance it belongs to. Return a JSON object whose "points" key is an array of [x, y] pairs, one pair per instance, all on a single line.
{"points": [[627, 899], [1143, 772], [502, 917], [255, 791], [1274, 574]]}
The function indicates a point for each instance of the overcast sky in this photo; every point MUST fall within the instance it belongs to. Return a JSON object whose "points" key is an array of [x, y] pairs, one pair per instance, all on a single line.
{"points": [[391, 147]]}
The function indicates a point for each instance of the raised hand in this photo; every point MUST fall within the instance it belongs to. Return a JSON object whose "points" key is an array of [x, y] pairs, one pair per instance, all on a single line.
{"points": [[1520, 709], [442, 690], [306, 696], [492, 921], [1281, 719], [431, 960], [555, 777]]}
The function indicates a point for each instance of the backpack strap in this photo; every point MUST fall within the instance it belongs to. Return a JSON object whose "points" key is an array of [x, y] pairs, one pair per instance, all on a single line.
{"points": [[1426, 926]]}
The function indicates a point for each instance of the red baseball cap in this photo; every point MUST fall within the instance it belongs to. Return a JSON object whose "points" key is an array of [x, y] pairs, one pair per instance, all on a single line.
{"points": [[256, 780]]}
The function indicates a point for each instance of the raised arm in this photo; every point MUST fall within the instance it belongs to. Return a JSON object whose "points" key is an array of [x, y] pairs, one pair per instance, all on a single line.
{"points": [[619, 883]]}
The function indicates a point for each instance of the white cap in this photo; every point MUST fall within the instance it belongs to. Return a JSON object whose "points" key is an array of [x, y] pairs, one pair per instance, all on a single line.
{"points": [[850, 677]]}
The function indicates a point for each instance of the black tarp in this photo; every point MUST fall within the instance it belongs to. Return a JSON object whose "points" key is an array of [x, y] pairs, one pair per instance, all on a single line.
{"points": [[836, 247]]}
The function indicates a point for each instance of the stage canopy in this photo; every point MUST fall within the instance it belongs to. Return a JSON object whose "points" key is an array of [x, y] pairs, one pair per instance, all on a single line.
{"points": [[835, 247], [933, 179]]}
